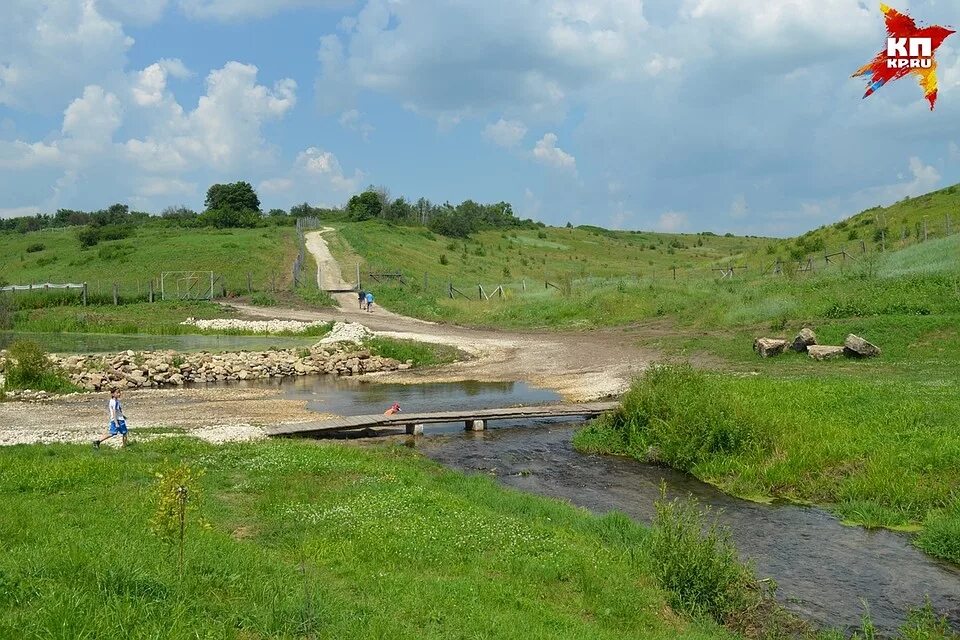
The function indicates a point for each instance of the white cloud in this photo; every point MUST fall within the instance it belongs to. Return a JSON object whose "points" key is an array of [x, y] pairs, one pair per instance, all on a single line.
{"points": [[233, 10], [660, 63], [149, 88], [276, 186], [323, 166], [93, 118], [672, 222], [17, 154], [51, 49], [505, 133], [152, 187], [352, 120], [547, 152]]}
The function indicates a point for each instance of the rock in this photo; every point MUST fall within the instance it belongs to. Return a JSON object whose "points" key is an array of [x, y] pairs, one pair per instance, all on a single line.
{"points": [[769, 347], [403, 367], [824, 352], [805, 339], [857, 347]]}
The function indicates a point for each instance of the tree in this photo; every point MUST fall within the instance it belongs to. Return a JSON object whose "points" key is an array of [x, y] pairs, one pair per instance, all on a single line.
{"points": [[365, 206], [277, 213], [237, 196]]}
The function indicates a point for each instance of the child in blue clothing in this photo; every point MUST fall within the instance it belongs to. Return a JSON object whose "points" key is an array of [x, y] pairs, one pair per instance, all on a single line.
{"points": [[369, 302], [118, 424]]}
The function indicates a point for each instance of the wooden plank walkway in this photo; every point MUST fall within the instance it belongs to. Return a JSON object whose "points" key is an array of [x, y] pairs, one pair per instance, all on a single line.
{"points": [[474, 419]]}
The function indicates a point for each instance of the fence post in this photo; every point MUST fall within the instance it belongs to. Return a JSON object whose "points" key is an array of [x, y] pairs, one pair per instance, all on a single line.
{"points": [[249, 283], [883, 240], [863, 247], [450, 290], [674, 273], [84, 294], [359, 284], [524, 284], [480, 288], [116, 295], [151, 290]]}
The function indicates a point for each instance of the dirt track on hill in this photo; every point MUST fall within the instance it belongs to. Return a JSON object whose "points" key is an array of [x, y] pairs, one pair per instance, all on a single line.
{"points": [[581, 366]]}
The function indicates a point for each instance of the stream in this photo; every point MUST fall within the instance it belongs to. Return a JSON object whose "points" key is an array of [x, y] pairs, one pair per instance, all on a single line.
{"points": [[825, 570]]}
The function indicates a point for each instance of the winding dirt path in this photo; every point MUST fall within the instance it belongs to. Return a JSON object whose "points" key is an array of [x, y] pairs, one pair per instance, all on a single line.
{"points": [[581, 366]]}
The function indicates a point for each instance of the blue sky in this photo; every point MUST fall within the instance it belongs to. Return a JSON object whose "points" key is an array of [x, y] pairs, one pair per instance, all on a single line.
{"points": [[674, 115]]}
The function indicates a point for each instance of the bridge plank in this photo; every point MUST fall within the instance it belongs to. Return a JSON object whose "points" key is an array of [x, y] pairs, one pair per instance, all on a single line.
{"points": [[591, 409]]}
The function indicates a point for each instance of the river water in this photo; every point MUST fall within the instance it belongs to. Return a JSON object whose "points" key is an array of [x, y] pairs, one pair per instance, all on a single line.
{"points": [[825, 570], [109, 343]]}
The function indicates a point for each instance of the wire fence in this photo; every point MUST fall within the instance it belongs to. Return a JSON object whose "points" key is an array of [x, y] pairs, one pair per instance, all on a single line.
{"points": [[303, 224]]}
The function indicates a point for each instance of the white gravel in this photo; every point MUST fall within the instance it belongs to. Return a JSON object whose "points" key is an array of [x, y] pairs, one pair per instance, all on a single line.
{"points": [[347, 332], [257, 326]]}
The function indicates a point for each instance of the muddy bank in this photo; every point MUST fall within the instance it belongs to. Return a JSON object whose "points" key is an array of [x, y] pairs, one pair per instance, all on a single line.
{"points": [[825, 571]]}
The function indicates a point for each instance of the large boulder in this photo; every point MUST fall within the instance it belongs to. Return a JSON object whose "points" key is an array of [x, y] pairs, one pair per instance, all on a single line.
{"points": [[768, 347], [857, 347], [804, 340], [824, 352]]}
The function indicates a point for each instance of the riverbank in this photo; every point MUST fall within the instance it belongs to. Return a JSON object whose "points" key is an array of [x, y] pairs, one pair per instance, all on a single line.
{"points": [[876, 451], [305, 539]]}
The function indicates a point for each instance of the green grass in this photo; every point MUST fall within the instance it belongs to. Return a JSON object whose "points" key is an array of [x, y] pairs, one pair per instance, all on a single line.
{"points": [[513, 258], [312, 540], [875, 450], [133, 262], [422, 354]]}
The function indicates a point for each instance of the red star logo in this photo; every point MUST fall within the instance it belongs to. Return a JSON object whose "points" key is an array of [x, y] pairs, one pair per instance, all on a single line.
{"points": [[904, 40]]}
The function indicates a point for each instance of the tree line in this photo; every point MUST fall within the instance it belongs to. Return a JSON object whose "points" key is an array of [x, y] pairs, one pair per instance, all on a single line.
{"points": [[237, 205]]}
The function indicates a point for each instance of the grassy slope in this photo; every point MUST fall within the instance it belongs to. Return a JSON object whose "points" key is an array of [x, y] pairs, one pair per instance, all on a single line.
{"points": [[589, 257], [908, 214], [312, 540], [876, 440], [231, 252]]}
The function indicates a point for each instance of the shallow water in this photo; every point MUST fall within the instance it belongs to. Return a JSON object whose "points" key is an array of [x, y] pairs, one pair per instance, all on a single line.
{"points": [[353, 397], [825, 570], [109, 343]]}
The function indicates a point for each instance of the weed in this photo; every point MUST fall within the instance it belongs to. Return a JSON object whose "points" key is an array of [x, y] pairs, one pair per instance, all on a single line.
{"points": [[28, 367], [697, 565], [263, 300], [176, 491]]}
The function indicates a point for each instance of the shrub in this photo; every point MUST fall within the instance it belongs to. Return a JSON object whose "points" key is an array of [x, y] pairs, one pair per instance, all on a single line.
{"points": [[263, 300], [31, 369], [443, 259], [115, 252], [176, 493], [542, 235], [697, 565], [35, 247], [688, 416]]}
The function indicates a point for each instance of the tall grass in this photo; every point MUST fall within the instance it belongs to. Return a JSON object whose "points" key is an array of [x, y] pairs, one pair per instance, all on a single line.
{"points": [[28, 367], [874, 451]]}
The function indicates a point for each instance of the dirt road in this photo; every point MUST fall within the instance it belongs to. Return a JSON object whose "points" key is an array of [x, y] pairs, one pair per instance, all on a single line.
{"points": [[581, 366]]}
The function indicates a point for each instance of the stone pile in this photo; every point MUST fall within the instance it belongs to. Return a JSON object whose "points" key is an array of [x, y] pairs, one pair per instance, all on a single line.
{"points": [[806, 341], [134, 370]]}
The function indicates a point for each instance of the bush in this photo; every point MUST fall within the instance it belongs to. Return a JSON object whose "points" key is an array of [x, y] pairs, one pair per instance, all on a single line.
{"points": [[91, 235], [230, 219], [697, 565], [35, 247], [687, 416], [115, 252], [443, 259], [31, 369], [263, 300]]}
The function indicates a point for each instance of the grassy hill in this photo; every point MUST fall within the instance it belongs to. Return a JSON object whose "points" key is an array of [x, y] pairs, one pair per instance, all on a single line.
{"points": [[55, 255]]}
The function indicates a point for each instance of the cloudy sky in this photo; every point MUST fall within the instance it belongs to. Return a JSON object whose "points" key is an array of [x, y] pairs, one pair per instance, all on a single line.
{"points": [[678, 115]]}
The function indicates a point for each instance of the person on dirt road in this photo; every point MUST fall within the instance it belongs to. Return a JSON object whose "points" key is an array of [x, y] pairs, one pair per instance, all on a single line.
{"points": [[369, 302], [363, 298], [118, 424]]}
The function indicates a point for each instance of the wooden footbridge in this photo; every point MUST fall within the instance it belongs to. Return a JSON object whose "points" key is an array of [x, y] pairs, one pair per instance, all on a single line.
{"points": [[473, 419]]}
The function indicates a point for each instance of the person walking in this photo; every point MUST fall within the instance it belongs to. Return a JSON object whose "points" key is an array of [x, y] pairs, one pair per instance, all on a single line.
{"points": [[363, 298], [118, 423], [369, 302]]}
